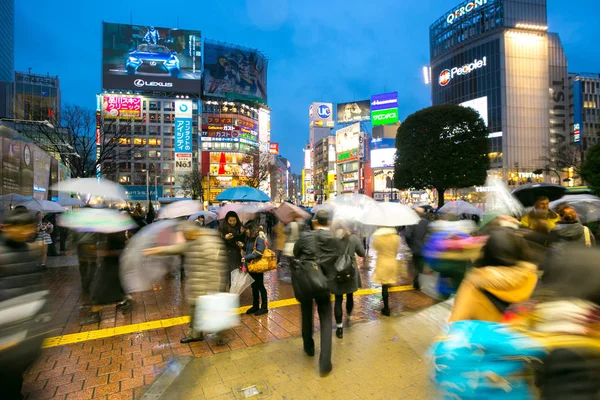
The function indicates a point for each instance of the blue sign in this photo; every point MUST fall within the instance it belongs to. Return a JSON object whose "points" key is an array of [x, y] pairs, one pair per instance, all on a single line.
{"points": [[383, 143], [324, 111], [183, 134], [183, 107], [138, 193]]}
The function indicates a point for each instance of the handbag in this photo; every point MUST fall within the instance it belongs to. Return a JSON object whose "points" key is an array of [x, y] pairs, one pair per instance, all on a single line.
{"points": [[267, 262], [344, 267], [216, 312], [308, 280]]}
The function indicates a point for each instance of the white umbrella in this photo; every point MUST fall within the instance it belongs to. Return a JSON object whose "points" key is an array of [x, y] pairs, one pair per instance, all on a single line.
{"points": [[69, 202], [208, 216], [459, 207], [390, 214], [351, 207], [44, 206], [92, 186], [183, 208]]}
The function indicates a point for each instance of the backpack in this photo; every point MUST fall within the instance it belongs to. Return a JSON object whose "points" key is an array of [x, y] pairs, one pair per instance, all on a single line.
{"points": [[344, 267], [308, 280]]}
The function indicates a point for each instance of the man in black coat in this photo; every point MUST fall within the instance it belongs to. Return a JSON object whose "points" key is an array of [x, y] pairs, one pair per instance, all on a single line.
{"points": [[322, 248], [415, 238], [22, 301]]}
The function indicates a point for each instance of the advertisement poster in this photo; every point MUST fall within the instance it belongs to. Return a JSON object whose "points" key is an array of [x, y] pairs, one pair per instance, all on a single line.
{"points": [[234, 73], [123, 107], [140, 57], [353, 112], [384, 109], [41, 173], [183, 136], [384, 180], [347, 142]]}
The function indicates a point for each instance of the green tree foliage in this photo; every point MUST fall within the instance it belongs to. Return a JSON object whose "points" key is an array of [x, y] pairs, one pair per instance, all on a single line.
{"points": [[590, 170], [442, 147]]}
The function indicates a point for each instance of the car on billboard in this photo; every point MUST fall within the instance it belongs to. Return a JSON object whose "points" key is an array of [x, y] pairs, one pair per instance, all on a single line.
{"points": [[152, 59]]}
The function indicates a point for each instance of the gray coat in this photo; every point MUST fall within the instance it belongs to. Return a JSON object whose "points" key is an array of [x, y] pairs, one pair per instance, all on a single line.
{"points": [[354, 246], [205, 264]]}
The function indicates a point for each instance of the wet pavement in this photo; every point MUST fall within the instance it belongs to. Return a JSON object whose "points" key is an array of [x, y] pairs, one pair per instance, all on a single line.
{"points": [[124, 366]]}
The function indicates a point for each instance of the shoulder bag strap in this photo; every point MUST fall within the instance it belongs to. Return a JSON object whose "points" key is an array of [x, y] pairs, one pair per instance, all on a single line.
{"points": [[586, 234]]}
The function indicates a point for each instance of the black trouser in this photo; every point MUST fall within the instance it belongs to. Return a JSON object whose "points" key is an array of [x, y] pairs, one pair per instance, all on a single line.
{"points": [[87, 256], [418, 265], [258, 288], [339, 298], [324, 310], [11, 383], [386, 296]]}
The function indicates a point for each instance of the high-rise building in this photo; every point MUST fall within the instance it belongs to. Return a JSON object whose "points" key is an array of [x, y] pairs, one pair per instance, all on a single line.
{"points": [[497, 57], [36, 97], [324, 169], [7, 55], [585, 126]]}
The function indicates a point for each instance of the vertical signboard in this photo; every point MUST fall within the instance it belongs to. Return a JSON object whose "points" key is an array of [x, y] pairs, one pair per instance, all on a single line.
{"points": [[183, 136], [98, 142], [577, 112], [384, 109]]}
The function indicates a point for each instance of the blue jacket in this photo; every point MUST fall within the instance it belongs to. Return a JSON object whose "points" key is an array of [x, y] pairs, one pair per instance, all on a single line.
{"points": [[251, 253]]}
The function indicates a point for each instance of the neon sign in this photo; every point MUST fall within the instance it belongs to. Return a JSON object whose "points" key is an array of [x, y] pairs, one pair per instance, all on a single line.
{"points": [[467, 8], [448, 74]]}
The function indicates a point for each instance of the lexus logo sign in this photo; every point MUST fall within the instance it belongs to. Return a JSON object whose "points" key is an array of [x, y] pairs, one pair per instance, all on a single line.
{"points": [[142, 83]]}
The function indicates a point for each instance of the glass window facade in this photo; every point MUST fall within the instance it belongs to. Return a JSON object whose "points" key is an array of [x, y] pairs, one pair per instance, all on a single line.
{"points": [[7, 37]]}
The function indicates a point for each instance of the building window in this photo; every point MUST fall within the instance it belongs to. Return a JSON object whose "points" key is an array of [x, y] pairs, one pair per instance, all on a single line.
{"points": [[154, 105], [153, 142], [124, 179]]}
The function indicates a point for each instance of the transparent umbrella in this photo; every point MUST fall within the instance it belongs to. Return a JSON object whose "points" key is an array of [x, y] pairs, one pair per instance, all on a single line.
{"points": [[44, 206], [390, 214], [587, 206]]}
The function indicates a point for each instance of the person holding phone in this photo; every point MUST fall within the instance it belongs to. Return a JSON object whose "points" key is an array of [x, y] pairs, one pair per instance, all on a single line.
{"points": [[44, 230]]}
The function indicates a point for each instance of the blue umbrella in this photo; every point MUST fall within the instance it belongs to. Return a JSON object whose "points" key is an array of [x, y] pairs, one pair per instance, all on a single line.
{"points": [[243, 193]]}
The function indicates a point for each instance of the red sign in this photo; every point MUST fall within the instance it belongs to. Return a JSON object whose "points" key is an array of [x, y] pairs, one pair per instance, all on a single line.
{"points": [[221, 134], [98, 125], [117, 106], [274, 148]]}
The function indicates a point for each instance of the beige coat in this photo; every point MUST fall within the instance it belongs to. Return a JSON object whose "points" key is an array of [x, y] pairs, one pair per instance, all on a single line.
{"points": [[386, 243]]}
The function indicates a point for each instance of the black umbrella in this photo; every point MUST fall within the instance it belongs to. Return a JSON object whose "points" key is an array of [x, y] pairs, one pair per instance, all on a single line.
{"points": [[528, 194]]}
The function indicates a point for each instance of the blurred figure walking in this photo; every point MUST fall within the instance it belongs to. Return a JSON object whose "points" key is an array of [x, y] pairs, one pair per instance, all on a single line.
{"points": [[386, 242], [86, 246], [206, 266], [415, 238], [352, 245], [322, 248], [292, 232], [22, 301], [569, 230]]}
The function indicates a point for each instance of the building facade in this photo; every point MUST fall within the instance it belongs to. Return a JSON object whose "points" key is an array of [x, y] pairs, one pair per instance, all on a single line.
{"points": [[36, 97], [324, 169], [497, 57], [7, 40], [585, 106]]}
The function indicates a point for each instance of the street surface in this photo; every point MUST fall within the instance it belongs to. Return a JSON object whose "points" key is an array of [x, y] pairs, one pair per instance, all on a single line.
{"points": [[125, 356]]}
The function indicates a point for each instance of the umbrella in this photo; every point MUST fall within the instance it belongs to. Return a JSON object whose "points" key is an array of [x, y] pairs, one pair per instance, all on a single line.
{"points": [[528, 194], [244, 216], [103, 220], [208, 216], [459, 207], [243, 193], [351, 207], [8, 200], [92, 186], [499, 201], [70, 202], [587, 206], [287, 212], [390, 214], [137, 271], [183, 208], [43, 206]]}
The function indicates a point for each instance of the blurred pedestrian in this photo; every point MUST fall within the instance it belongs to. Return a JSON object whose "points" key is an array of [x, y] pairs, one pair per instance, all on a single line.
{"points": [[231, 232], [23, 300], [568, 230], [321, 247], [541, 219], [415, 238], [44, 230], [292, 232], [502, 276], [86, 246], [206, 265], [386, 242], [201, 221], [279, 240], [106, 285], [254, 249], [352, 245]]}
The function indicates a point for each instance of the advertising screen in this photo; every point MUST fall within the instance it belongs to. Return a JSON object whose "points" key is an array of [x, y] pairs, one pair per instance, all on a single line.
{"points": [[353, 112], [183, 136], [383, 180], [347, 139], [274, 148], [384, 109], [122, 107], [382, 158], [234, 73], [149, 58], [321, 115], [480, 105], [264, 125]]}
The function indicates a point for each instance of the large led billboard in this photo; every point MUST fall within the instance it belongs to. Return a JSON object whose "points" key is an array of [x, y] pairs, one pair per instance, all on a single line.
{"points": [[480, 105], [122, 107], [347, 143], [353, 112], [149, 58], [384, 109], [234, 73]]}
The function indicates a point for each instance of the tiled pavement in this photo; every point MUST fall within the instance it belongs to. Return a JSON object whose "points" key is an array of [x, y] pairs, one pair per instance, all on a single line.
{"points": [[123, 367]]}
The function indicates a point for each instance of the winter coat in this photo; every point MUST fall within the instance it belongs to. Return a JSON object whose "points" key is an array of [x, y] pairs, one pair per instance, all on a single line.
{"points": [[354, 246], [23, 301], [571, 232], [486, 292], [279, 237], [205, 263], [386, 242], [415, 236], [531, 220], [320, 247]]}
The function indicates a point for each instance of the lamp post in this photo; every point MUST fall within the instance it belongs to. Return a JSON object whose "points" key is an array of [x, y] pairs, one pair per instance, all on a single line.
{"points": [[156, 186]]}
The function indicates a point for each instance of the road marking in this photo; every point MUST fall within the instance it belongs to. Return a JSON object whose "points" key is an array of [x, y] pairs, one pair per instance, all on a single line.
{"points": [[166, 323]]}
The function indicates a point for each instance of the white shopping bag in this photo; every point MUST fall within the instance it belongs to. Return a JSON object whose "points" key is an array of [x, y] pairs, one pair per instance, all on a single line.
{"points": [[216, 312]]}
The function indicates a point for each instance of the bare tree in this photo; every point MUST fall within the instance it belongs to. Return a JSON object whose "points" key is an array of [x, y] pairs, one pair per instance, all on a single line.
{"points": [[256, 168], [71, 138], [566, 156], [191, 183]]}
